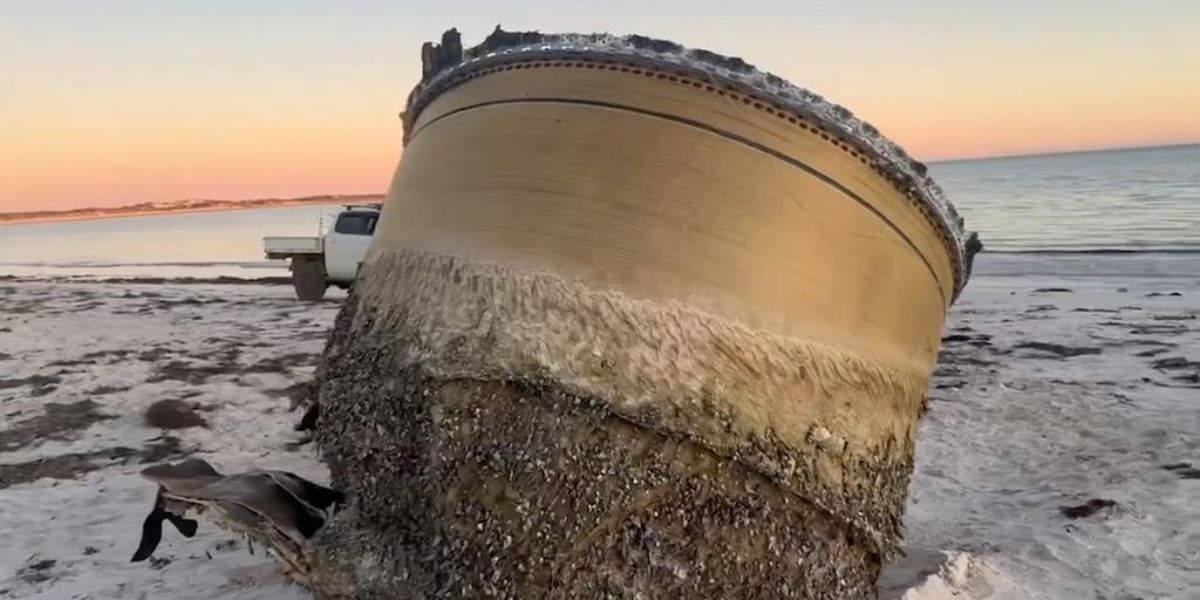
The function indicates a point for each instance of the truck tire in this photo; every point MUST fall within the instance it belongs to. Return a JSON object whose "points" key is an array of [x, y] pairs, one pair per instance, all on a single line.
{"points": [[308, 278]]}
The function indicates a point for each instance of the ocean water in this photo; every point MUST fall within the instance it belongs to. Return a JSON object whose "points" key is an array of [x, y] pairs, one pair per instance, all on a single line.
{"points": [[1140, 209], [208, 244], [1125, 200]]}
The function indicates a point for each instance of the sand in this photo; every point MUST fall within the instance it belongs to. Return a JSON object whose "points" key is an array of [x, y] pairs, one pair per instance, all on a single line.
{"points": [[105, 354], [1043, 399], [1052, 393]]}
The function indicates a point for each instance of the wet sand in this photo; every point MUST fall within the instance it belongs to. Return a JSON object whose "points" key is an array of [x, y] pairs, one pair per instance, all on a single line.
{"points": [[1058, 458]]}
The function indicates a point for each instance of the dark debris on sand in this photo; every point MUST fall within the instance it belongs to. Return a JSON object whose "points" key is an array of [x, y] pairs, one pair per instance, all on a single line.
{"points": [[173, 414], [1183, 470], [978, 340], [107, 389], [153, 354], [72, 465], [962, 349], [57, 422], [193, 374], [301, 393], [1057, 350], [224, 362], [37, 572], [71, 362], [1086, 509], [282, 363], [1157, 329], [221, 362], [40, 384], [1173, 363], [157, 563]]}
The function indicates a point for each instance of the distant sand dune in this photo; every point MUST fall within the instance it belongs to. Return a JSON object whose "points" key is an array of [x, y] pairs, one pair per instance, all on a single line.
{"points": [[146, 209]]}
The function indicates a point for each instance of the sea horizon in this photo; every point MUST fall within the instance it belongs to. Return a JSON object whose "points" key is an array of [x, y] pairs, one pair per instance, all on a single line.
{"points": [[166, 209], [1137, 208], [1105, 150]]}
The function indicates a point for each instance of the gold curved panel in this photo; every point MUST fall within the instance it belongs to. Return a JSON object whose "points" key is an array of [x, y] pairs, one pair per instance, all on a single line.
{"points": [[703, 103], [656, 208]]}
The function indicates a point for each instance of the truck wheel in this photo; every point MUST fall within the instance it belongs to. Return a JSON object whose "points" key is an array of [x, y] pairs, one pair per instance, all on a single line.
{"points": [[308, 278]]}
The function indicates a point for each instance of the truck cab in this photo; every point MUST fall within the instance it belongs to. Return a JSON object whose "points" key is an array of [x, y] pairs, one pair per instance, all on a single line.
{"points": [[346, 243], [331, 258]]}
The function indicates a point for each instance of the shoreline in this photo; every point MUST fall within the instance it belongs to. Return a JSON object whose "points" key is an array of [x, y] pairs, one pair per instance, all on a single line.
{"points": [[218, 280]]}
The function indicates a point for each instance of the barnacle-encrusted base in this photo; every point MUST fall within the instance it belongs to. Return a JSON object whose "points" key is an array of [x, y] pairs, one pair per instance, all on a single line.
{"points": [[508, 435], [522, 490]]}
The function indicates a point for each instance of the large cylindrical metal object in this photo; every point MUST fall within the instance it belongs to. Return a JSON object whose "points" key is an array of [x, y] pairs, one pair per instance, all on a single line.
{"points": [[637, 320]]}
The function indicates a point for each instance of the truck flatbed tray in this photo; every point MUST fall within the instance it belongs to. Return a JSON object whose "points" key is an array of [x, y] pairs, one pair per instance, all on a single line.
{"points": [[284, 246]]}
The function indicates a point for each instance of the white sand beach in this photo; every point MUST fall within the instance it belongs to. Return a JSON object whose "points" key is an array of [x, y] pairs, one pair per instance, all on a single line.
{"points": [[81, 364], [1050, 394]]}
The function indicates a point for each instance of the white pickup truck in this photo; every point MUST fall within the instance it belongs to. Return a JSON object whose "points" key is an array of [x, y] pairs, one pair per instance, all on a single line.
{"points": [[331, 258]]}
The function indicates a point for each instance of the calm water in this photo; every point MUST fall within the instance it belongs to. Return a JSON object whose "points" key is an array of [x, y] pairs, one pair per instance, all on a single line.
{"points": [[1144, 201], [180, 245], [1147, 199]]}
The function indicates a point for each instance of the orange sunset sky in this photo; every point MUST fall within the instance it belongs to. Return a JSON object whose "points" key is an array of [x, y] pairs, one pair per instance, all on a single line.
{"points": [[111, 102]]}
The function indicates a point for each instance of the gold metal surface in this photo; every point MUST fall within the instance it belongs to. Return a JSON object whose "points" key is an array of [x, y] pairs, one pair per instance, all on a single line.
{"points": [[659, 208]]}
